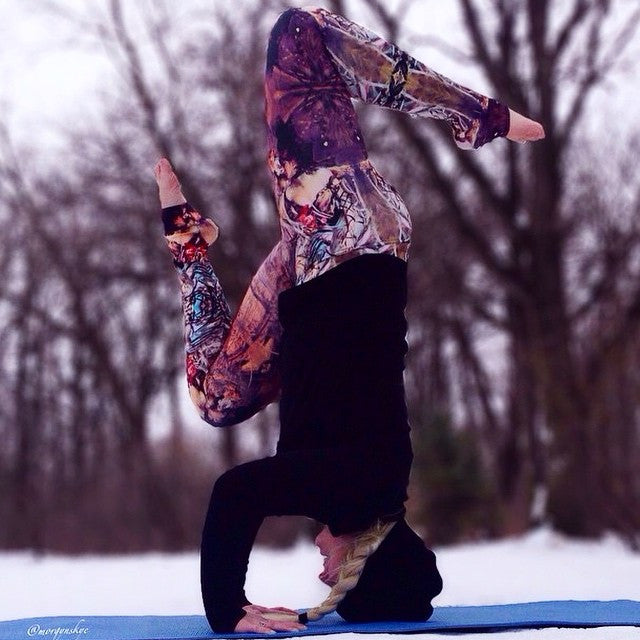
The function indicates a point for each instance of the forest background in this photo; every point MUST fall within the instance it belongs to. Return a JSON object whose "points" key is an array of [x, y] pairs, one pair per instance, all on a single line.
{"points": [[523, 376]]}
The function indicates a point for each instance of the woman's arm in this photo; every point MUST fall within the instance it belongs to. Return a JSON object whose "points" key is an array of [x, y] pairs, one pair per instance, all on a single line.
{"points": [[231, 365], [379, 72]]}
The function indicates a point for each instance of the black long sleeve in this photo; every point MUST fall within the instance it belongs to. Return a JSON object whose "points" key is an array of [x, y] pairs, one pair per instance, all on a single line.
{"points": [[344, 455]]}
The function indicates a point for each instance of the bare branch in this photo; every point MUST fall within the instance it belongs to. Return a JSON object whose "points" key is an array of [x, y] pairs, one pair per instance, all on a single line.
{"points": [[626, 329], [568, 29], [441, 45], [472, 361], [499, 202], [480, 44], [596, 71], [478, 301], [390, 21], [465, 227], [614, 259]]}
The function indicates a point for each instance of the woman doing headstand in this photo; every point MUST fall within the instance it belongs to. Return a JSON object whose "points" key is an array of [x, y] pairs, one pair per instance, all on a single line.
{"points": [[322, 326]]}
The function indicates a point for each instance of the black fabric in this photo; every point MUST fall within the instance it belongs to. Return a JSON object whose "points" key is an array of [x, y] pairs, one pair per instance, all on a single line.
{"points": [[494, 123], [398, 582], [344, 453], [339, 486], [342, 357]]}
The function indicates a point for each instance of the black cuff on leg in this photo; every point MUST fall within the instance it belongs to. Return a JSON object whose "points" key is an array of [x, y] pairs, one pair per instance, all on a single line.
{"points": [[177, 218], [494, 124]]}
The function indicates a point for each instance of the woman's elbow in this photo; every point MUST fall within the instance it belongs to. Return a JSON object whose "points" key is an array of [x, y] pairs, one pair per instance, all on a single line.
{"points": [[216, 410], [230, 415], [224, 401], [224, 416], [219, 419]]}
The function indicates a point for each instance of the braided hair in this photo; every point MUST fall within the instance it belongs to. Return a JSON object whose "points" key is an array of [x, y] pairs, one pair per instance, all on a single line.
{"points": [[365, 544]]}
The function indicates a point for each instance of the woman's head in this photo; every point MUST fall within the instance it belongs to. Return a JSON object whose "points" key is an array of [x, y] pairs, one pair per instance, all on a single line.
{"points": [[334, 550], [383, 573]]}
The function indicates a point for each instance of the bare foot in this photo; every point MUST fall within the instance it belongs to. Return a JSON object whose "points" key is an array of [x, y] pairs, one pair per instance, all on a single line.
{"points": [[168, 184], [171, 195], [523, 129]]}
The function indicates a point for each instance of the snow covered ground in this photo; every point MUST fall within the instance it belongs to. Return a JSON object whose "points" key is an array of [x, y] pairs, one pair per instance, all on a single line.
{"points": [[539, 566]]}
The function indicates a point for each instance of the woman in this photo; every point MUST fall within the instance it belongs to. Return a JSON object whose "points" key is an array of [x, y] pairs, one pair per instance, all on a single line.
{"points": [[322, 326]]}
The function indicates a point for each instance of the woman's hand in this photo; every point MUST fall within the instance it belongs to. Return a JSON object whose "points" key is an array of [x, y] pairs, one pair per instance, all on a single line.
{"points": [[259, 619], [523, 129], [168, 184]]}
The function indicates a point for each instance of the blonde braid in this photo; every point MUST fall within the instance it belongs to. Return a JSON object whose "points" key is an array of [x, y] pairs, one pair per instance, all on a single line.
{"points": [[364, 545]]}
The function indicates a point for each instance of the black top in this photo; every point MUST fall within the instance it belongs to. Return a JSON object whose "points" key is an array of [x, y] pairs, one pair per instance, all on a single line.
{"points": [[397, 583], [342, 357], [344, 453]]}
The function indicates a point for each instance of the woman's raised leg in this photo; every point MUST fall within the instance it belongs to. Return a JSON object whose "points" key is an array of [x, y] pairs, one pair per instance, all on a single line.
{"points": [[231, 365]]}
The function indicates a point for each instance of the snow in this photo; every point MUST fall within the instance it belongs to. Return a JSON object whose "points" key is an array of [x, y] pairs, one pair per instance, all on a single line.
{"points": [[541, 565]]}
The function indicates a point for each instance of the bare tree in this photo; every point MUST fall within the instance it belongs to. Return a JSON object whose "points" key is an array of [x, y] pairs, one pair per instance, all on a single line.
{"points": [[525, 248], [516, 234], [94, 313]]}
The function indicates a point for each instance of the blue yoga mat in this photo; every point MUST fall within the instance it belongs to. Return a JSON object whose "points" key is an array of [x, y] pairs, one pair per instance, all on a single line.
{"points": [[530, 615]]}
